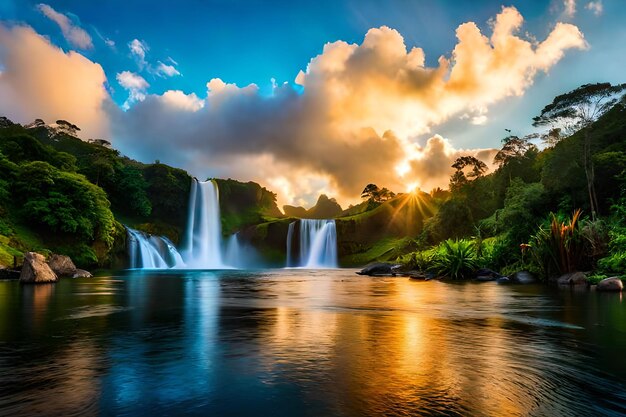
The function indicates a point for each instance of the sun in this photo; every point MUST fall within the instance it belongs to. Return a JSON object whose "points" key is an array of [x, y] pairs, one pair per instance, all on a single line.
{"points": [[412, 187]]}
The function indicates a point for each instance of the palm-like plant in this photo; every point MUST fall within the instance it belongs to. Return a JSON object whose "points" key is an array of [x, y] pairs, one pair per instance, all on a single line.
{"points": [[455, 259], [559, 248]]}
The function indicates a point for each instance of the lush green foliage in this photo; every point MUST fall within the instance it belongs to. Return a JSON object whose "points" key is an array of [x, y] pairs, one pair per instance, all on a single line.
{"points": [[558, 248], [63, 202], [243, 204], [455, 259]]}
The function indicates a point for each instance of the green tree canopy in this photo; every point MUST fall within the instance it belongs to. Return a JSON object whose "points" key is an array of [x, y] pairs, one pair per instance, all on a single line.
{"points": [[63, 202]]}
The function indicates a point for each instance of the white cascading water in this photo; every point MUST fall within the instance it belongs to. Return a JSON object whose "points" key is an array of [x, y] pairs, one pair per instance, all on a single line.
{"points": [[318, 244], [233, 252], [239, 254], [202, 248], [152, 252]]}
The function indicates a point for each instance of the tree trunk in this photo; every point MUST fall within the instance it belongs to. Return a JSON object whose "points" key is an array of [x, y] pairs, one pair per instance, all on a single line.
{"points": [[589, 172]]}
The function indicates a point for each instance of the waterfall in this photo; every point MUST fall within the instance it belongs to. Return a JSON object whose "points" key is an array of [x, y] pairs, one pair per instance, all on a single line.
{"points": [[317, 244], [233, 250], [289, 243], [152, 252], [203, 246], [202, 243], [240, 254]]}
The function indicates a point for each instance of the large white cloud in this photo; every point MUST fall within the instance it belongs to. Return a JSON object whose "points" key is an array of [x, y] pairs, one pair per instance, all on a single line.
{"points": [[39, 80], [361, 109], [359, 117]]}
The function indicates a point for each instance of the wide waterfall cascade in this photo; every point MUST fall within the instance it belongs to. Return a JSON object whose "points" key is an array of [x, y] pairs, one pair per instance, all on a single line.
{"points": [[317, 244], [203, 240], [152, 252]]}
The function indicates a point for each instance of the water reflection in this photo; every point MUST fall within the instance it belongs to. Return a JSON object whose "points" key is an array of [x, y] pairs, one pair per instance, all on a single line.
{"points": [[309, 343]]}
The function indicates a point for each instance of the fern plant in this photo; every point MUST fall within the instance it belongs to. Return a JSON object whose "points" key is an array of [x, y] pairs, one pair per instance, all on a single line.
{"points": [[455, 259]]}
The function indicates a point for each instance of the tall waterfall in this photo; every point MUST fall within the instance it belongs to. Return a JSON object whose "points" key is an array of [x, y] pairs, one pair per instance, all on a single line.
{"points": [[203, 248], [202, 243], [152, 252], [317, 244]]}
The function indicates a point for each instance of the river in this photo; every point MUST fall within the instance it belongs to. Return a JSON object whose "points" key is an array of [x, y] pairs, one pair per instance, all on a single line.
{"points": [[307, 343]]}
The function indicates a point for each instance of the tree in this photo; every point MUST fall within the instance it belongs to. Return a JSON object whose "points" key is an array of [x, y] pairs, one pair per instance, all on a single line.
{"points": [[373, 193], [513, 149], [67, 127], [459, 178], [63, 203], [576, 111], [370, 191]]}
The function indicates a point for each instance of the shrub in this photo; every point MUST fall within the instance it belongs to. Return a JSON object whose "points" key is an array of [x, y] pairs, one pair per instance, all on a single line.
{"points": [[559, 248], [455, 259]]}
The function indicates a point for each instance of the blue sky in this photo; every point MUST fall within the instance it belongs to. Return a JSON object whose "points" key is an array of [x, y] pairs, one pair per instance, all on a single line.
{"points": [[246, 42]]}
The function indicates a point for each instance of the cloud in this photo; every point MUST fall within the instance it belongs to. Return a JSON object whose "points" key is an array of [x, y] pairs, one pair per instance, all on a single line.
{"points": [[107, 41], [60, 86], [138, 50], [569, 8], [596, 7], [356, 122], [362, 112], [165, 70], [432, 166], [136, 86], [75, 35]]}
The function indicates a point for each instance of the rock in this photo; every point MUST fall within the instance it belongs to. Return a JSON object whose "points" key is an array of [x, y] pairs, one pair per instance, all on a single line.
{"points": [[6, 273], [610, 284], [379, 268], [573, 278], [36, 270], [81, 273], [419, 276], [503, 280], [523, 277], [485, 278], [62, 265], [486, 274]]}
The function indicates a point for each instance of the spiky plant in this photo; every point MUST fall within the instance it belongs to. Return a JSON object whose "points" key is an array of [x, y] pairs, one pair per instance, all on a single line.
{"points": [[560, 248], [455, 259]]}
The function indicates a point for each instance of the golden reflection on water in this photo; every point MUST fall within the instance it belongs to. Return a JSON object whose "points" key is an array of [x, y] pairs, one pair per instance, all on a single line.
{"points": [[394, 353]]}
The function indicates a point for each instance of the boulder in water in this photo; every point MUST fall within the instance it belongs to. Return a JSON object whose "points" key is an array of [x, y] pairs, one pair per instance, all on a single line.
{"points": [[62, 265], [36, 270], [81, 273], [485, 274], [610, 284], [6, 273], [523, 277], [573, 278], [379, 268]]}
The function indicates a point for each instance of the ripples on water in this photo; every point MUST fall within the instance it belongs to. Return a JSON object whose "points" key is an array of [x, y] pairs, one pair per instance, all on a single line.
{"points": [[299, 342]]}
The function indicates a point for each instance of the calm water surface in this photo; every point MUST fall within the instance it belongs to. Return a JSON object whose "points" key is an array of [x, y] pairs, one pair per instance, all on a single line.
{"points": [[311, 343]]}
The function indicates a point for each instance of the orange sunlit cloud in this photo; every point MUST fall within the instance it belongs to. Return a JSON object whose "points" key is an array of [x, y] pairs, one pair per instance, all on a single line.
{"points": [[357, 121]]}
